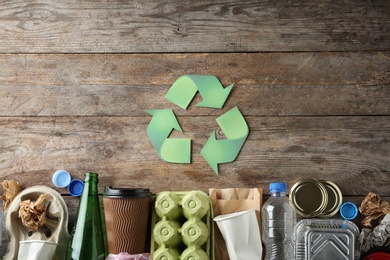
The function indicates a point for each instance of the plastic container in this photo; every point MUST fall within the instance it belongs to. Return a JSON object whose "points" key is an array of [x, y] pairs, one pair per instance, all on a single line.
{"points": [[278, 221], [326, 239]]}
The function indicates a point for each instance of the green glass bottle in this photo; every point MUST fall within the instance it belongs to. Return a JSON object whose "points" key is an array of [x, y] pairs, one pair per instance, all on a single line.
{"points": [[87, 238]]}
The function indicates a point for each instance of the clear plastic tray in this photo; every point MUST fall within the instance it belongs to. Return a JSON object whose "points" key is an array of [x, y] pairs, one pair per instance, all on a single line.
{"points": [[326, 239]]}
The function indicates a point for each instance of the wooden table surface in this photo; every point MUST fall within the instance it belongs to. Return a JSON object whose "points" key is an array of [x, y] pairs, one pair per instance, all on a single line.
{"points": [[312, 80]]}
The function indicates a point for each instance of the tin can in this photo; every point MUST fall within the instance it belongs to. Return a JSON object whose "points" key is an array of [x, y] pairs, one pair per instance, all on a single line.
{"points": [[309, 197]]}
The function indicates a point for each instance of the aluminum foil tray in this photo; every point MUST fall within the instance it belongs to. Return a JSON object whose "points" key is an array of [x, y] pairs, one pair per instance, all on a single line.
{"points": [[334, 239]]}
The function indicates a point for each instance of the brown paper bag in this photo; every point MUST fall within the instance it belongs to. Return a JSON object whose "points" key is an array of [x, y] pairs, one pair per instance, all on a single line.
{"points": [[225, 201]]}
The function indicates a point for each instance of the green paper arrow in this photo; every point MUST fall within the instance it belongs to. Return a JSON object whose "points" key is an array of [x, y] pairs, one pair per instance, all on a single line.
{"points": [[174, 150], [184, 90], [236, 131]]}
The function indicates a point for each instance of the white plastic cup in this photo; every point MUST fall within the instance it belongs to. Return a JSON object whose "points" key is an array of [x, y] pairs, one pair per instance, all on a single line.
{"points": [[242, 235], [36, 250]]}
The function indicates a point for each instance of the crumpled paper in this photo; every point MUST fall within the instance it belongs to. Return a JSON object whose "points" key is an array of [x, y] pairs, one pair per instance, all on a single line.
{"points": [[377, 237], [372, 208], [11, 189], [33, 214]]}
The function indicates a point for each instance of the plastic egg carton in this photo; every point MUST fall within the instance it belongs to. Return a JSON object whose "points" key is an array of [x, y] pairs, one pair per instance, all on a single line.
{"points": [[182, 226]]}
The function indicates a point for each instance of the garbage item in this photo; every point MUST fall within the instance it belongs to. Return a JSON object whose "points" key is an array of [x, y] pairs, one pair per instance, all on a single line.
{"points": [[33, 214], [348, 210], [326, 239], [242, 234], [54, 230], [278, 221], [381, 253], [36, 250], [230, 200], [182, 220], [11, 189], [379, 236], [121, 207], [61, 178], [75, 188], [309, 197], [126, 256], [372, 208]]}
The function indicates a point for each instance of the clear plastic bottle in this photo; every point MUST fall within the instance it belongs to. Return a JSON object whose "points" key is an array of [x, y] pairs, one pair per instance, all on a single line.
{"points": [[278, 221]]}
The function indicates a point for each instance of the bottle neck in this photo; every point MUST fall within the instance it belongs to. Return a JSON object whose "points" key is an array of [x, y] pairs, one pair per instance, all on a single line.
{"points": [[91, 183], [91, 177], [278, 194]]}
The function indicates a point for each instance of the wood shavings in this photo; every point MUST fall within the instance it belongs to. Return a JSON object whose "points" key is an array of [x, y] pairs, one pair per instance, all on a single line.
{"points": [[372, 208], [33, 214], [11, 189]]}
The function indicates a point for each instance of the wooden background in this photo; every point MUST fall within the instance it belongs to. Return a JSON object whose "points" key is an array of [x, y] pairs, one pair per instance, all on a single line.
{"points": [[311, 79]]}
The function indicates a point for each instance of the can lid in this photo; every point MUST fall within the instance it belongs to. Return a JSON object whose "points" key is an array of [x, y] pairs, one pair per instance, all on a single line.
{"points": [[277, 187], [348, 210], [61, 178], [309, 198], [75, 188], [125, 192], [335, 199]]}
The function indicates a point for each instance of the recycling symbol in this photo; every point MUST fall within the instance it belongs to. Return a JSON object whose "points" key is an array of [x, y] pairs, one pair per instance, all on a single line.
{"points": [[214, 95]]}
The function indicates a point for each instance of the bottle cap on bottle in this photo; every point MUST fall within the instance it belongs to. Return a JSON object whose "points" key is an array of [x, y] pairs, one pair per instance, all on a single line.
{"points": [[348, 210], [75, 188], [61, 178], [278, 187]]}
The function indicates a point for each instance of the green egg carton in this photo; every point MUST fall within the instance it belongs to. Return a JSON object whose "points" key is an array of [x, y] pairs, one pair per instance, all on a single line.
{"points": [[182, 226]]}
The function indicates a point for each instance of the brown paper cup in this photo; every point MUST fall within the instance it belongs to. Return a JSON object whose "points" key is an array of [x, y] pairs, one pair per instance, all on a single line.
{"points": [[127, 216]]}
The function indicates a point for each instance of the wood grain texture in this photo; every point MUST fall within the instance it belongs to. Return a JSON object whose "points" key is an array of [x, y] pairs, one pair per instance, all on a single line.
{"points": [[44, 26], [312, 80], [126, 85], [351, 151]]}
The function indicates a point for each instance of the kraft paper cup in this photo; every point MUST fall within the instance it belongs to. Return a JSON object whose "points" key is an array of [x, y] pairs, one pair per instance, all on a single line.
{"points": [[36, 250], [242, 235], [127, 216]]}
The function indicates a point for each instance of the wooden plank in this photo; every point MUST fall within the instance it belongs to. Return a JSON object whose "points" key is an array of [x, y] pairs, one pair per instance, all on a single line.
{"points": [[335, 68], [126, 85], [351, 151], [45, 26], [252, 100]]}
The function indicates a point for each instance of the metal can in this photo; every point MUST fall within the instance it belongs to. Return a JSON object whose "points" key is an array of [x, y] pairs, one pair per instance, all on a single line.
{"points": [[309, 197], [335, 199]]}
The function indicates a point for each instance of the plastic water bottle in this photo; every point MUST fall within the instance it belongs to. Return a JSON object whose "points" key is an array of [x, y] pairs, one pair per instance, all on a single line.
{"points": [[278, 221]]}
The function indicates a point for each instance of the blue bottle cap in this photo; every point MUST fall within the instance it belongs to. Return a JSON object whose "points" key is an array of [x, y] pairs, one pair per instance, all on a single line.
{"points": [[61, 178], [75, 188], [278, 187], [348, 210]]}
